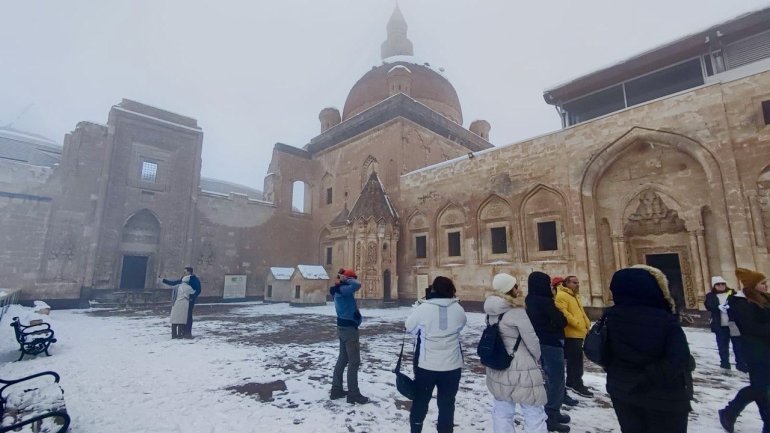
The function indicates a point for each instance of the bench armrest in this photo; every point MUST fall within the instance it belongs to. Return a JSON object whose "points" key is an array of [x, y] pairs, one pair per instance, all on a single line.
{"points": [[53, 414], [7, 383]]}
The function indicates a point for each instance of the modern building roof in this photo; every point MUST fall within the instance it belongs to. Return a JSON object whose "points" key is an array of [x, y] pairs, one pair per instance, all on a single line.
{"points": [[28, 148], [695, 44], [223, 187]]}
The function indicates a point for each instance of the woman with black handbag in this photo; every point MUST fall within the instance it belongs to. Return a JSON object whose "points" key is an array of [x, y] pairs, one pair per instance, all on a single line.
{"points": [[522, 383], [437, 322], [648, 359]]}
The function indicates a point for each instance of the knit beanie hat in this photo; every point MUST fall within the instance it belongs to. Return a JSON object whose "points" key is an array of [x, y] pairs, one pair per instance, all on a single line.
{"points": [[555, 281], [717, 280], [749, 278], [503, 283], [348, 273]]}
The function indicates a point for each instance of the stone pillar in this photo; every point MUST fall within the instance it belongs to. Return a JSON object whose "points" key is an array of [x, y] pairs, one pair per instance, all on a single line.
{"points": [[756, 220], [704, 261], [619, 249], [697, 267]]}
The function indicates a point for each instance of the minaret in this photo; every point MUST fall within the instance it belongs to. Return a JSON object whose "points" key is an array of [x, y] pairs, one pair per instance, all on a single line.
{"points": [[397, 43]]}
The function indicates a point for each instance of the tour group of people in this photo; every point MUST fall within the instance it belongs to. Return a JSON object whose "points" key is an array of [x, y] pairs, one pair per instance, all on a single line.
{"points": [[648, 361]]}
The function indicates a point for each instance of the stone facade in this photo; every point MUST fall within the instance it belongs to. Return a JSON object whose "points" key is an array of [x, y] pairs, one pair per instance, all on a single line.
{"points": [[401, 192]]}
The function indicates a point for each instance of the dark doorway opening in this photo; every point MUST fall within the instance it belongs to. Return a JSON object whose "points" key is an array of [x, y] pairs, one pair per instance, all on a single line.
{"points": [[669, 265], [386, 284], [134, 272]]}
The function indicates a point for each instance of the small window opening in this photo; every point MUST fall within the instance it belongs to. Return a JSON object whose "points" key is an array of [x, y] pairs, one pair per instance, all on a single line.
{"points": [[499, 240], [546, 236], [453, 244], [149, 171], [421, 250]]}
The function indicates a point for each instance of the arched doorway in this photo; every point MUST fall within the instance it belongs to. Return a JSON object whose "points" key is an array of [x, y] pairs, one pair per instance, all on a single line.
{"points": [[138, 245], [386, 285]]}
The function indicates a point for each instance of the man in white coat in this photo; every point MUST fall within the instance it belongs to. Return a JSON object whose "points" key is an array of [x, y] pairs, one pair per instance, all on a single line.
{"points": [[437, 322]]}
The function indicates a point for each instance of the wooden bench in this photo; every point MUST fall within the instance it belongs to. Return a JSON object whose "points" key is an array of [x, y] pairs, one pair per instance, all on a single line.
{"points": [[34, 338], [38, 404]]}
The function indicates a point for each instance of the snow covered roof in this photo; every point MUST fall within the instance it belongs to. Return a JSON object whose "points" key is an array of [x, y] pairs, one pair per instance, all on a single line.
{"points": [[282, 273], [313, 272]]}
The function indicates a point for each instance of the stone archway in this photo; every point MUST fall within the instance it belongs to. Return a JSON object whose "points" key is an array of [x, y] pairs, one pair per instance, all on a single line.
{"points": [[628, 192], [138, 246]]}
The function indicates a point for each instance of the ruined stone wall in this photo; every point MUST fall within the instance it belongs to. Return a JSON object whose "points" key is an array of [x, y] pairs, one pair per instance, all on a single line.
{"points": [[25, 207]]}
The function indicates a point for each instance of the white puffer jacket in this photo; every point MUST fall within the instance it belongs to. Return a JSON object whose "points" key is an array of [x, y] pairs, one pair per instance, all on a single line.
{"points": [[522, 382], [439, 322], [182, 302]]}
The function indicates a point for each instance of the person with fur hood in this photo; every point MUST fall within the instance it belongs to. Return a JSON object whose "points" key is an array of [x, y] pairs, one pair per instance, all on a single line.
{"points": [[184, 293], [437, 322], [649, 367], [522, 382], [750, 310]]}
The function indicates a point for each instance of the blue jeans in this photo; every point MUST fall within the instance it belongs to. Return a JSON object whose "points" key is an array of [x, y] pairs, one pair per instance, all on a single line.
{"points": [[723, 344], [552, 361]]}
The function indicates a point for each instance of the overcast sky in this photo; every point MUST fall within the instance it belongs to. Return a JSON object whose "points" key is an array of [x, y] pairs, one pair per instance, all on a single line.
{"points": [[256, 72]]}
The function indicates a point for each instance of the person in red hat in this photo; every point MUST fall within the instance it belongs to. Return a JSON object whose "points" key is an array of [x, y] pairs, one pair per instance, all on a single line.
{"points": [[348, 321]]}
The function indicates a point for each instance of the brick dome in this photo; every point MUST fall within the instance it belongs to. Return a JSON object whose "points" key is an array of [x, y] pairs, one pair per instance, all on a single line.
{"points": [[427, 86]]}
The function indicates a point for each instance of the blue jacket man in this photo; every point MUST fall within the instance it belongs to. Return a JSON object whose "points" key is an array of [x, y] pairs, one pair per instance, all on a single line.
{"points": [[195, 283], [348, 321]]}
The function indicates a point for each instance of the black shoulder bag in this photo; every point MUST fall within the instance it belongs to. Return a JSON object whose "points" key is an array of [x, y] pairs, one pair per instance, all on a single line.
{"points": [[404, 384], [596, 344]]}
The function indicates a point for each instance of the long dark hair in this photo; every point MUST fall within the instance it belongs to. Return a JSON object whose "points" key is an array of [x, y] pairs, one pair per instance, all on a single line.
{"points": [[443, 287], [757, 297]]}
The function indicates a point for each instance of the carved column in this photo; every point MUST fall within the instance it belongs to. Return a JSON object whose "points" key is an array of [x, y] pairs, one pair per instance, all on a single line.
{"points": [[700, 236], [619, 249], [698, 262], [756, 220]]}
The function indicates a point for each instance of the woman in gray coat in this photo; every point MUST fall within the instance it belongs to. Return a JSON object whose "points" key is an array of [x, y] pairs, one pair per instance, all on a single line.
{"points": [[522, 382], [179, 310]]}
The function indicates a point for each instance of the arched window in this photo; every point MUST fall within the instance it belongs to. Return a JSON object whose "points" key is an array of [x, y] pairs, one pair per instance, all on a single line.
{"points": [[495, 235]]}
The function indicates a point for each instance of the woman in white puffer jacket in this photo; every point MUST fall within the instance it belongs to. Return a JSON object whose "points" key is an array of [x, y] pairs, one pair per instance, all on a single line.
{"points": [[437, 322], [522, 382], [179, 310]]}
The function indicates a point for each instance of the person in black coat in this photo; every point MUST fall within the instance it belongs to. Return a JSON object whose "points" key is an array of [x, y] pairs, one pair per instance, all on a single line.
{"points": [[649, 367], [750, 310], [716, 304], [549, 325]]}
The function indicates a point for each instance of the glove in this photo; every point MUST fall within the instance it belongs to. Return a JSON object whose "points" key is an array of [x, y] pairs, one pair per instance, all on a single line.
{"points": [[723, 308]]}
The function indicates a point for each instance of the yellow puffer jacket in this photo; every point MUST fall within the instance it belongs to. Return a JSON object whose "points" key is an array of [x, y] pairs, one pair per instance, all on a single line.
{"points": [[571, 306]]}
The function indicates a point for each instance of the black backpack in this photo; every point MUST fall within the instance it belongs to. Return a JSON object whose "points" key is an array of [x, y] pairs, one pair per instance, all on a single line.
{"points": [[491, 349]]}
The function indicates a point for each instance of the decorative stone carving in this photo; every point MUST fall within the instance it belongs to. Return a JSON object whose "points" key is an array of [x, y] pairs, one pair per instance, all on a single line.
{"points": [[495, 209], [207, 256], [653, 217], [371, 255]]}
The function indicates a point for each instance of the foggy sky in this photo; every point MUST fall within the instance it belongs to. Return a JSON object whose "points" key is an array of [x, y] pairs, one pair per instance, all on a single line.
{"points": [[254, 72]]}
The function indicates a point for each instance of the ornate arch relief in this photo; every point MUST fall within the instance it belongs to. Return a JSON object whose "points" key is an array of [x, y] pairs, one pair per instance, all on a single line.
{"points": [[652, 217], [370, 166], [451, 215], [142, 228], [418, 221], [494, 208], [543, 213]]}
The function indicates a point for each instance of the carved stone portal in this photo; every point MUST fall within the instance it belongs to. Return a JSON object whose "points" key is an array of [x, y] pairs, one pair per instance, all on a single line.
{"points": [[653, 217]]}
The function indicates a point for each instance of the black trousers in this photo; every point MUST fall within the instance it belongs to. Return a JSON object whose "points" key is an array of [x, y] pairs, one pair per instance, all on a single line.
{"points": [[758, 391], [573, 354], [636, 419], [188, 326], [446, 383]]}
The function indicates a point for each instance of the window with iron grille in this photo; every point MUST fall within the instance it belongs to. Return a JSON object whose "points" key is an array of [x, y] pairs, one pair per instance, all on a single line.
{"points": [[421, 246], [453, 244], [149, 171], [546, 236], [499, 240]]}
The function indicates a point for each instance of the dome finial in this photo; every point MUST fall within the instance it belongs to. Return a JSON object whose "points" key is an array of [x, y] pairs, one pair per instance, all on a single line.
{"points": [[397, 43]]}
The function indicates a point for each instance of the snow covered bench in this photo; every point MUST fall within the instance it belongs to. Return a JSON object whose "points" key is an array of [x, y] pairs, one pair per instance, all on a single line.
{"points": [[34, 338], [36, 406]]}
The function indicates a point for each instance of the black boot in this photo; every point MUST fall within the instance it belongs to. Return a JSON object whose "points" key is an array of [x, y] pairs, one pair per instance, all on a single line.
{"points": [[337, 393], [727, 419], [357, 399], [562, 418], [554, 425]]}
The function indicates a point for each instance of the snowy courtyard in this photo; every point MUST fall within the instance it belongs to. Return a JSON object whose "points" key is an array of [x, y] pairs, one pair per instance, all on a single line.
{"points": [[122, 373]]}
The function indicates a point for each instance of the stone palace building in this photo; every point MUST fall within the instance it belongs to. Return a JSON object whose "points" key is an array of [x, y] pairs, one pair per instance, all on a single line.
{"points": [[663, 159]]}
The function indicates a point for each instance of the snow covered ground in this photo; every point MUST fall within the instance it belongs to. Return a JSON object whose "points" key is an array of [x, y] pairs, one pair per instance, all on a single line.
{"points": [[121, 372]]}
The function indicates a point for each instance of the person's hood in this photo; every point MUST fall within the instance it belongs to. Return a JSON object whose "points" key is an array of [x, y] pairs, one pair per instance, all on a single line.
{"points": [[566, 290], [539, 284], [186, 279], [496, 304], [441, 302], [642, 285]]}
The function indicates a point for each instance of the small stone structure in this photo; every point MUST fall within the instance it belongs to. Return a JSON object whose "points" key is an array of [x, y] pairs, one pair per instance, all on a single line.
{"points": [[309, 286], [278, 284]]}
